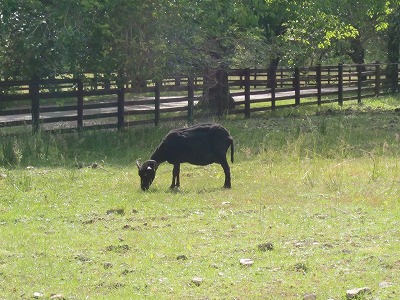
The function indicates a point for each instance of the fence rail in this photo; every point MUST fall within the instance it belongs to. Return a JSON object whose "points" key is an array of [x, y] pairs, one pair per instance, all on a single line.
{"points": [[76, 104]]}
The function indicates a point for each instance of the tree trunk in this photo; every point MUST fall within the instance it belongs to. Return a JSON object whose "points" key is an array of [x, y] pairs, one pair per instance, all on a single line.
{"points": [[216, 95], [357, 51], [394, 50], [272, 72], [357, 54]]}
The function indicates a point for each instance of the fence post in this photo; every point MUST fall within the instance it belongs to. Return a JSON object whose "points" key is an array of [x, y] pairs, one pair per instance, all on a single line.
{"points": [[359, 83], [272, 80], [157, 96], [121, 107], [377, 78], [296, 84], [329, 75], [34, 89], [79, 105], [190, 98], [247, 93], [319, 83], [340, 84]]}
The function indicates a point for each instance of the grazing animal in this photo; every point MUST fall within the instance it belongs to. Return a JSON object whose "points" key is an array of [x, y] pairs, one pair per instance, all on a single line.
{"points": [[201, 145]]}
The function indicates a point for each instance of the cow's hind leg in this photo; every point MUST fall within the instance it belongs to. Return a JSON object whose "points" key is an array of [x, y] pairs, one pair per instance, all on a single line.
{"points": [[227, 171]]}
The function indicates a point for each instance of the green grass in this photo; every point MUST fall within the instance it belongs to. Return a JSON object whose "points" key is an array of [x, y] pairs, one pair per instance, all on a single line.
{"points": [[321, 185]]}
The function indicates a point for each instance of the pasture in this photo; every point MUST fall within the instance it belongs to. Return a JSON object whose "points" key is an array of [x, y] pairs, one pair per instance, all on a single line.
{"points": [[315, 205]]}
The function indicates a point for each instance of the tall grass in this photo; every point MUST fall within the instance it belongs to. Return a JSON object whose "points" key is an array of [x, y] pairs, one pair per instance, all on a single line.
{"points": [[329, 131], [49, 149]]}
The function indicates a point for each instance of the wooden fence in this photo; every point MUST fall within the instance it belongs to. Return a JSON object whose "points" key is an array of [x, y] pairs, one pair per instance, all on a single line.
{"points": [[65, 104]]}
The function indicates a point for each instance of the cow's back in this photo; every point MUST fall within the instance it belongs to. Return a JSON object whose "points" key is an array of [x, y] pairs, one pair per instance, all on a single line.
{"points": [[199, 145]]}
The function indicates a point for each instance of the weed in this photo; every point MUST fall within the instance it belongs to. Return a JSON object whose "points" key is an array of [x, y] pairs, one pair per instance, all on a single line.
{"points": [[12, 154], [22, 182]]}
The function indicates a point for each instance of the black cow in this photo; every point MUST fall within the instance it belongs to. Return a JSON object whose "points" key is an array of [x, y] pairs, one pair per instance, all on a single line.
{"points": [[201, 145]]}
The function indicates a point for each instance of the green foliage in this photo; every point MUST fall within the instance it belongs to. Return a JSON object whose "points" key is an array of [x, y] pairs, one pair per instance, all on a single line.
{"points": [[135, 40]]}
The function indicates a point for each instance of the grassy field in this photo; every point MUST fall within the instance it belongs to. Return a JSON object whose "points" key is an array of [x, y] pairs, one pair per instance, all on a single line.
{"points": [[314, 204]]}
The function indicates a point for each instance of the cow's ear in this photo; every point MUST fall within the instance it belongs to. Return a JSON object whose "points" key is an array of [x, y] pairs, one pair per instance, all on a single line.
{"points": [[153, 164], [138, 164]]}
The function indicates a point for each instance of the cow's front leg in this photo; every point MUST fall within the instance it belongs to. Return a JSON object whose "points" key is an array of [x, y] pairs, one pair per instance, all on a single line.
{"points": [[175, 176]]}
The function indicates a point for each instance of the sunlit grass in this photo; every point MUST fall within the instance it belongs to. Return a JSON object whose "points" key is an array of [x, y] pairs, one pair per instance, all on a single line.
{"points": [[322, 188]]}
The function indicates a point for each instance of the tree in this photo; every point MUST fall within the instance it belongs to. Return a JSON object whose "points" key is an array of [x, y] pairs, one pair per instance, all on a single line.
{"points": [[134, 40], [27, 40], [214, 30], [43, 39], [393, 44], [331, 29]]}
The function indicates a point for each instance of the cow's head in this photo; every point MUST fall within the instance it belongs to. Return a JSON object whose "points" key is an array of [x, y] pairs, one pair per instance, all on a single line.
{"points": [[147, 172]]}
